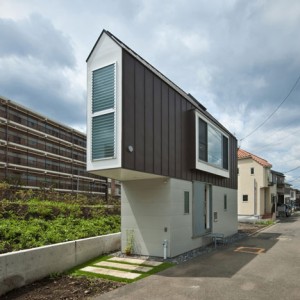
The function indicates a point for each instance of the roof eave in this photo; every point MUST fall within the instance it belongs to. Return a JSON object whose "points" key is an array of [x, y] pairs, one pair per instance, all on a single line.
{"points": [[103, 31]]}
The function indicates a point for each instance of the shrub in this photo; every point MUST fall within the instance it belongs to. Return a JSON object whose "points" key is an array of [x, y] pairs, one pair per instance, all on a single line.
{"points": [[34, 223]]}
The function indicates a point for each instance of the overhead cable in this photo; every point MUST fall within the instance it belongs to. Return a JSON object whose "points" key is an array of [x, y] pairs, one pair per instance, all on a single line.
{"points": [[291, 170], [270, 116]]}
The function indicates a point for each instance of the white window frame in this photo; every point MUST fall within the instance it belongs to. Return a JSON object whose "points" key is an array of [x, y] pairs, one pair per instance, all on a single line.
{"points": [[203, 165], [105, 112]]}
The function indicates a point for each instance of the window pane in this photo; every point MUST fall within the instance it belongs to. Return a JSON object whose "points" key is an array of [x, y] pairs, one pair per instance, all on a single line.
{"points": [[103, 88], [103, 136], [225, 202], [186, 202], [202, 154], [214, 145], [225, 152]]}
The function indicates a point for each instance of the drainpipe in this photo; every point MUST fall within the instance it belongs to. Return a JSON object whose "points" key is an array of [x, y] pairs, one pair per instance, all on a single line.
{"points": [[165, 245]]}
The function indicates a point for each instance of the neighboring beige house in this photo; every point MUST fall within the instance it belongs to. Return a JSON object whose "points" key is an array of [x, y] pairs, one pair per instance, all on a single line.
{"points": [[256, 190]]}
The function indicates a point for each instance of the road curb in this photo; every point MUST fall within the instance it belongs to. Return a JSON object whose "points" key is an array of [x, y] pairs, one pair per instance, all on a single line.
{"points": [[261, 229]]}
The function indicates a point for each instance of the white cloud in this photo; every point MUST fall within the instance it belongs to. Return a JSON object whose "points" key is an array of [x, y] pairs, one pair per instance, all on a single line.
{"points": [[239, 58], [283, 13]]}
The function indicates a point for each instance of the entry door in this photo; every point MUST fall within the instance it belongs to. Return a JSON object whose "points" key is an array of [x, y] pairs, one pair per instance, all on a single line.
{"points": [[202, 208]]}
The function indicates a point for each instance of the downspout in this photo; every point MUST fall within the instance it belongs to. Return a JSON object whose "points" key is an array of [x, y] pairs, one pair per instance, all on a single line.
{"points": [[165, 247]]}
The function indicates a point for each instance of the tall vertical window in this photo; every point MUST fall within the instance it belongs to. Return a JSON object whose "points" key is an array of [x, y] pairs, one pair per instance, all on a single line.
{"points": [[212, 145], [202, 147], [104, 112], [207, 208], [186, 202]]}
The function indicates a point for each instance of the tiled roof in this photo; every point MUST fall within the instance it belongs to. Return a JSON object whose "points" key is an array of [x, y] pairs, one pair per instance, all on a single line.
{"points": [[242, 154]]}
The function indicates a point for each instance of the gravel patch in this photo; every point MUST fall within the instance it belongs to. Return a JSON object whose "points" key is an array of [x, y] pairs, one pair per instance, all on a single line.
{"points": [[193, 253]]}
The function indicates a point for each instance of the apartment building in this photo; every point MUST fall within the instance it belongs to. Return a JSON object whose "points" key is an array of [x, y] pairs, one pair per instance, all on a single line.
{"points": [[36, 152]]}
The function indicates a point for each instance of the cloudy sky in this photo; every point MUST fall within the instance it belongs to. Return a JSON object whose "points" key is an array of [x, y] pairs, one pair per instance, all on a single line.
{"points": [[239, 58]]}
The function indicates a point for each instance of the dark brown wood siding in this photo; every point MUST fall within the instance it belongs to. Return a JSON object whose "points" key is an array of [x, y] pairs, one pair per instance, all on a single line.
{"points": [[159, 123]]}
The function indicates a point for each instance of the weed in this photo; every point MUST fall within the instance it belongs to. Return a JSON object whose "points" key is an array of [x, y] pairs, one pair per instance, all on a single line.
{"points": [[55, 275], [129, 241], [266, 222], [37, 223]]}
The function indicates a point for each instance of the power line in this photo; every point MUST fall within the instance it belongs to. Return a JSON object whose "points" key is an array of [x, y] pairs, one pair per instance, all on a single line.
{"points": [[296, 179], [270, 116], [291, 170], [286, 135]]}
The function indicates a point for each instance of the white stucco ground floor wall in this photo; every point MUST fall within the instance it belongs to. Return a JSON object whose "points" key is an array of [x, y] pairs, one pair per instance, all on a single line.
{"points": [[155, 210]]}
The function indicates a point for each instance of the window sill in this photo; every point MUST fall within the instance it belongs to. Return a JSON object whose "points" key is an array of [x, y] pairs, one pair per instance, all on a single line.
{"points": [[203, 166]]}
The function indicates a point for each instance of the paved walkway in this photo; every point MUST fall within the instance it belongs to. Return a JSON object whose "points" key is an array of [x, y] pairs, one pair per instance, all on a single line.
{"points": [[264, 266], [125, 266]]}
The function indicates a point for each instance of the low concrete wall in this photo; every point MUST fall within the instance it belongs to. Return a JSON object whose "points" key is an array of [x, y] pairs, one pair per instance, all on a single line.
{"points": [[25, 266]]}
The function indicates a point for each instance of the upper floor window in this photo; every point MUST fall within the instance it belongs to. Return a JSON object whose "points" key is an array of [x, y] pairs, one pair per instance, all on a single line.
{"points": [[252, 171], [245, 198], [103, 113], [212, 148]]}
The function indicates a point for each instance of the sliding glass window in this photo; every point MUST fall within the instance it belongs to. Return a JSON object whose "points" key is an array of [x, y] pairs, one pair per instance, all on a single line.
{"points": [[212, 145]]}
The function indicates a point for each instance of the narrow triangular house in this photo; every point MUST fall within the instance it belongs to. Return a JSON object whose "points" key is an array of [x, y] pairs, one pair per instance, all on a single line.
{"points": [[177, 164]]}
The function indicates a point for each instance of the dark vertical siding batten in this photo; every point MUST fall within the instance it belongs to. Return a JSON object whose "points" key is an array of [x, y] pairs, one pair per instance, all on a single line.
{"points": [[157, 125], [128, 110], [139, 117], [165, 129], [189, 132], [171, 133], [149, 127], [178, 142]]}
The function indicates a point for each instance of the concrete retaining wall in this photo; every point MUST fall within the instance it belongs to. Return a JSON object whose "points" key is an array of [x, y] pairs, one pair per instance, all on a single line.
{"points": [[25, 266]]}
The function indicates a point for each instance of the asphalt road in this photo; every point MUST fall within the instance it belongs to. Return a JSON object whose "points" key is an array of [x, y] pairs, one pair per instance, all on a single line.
{"points": [[264, 266]]}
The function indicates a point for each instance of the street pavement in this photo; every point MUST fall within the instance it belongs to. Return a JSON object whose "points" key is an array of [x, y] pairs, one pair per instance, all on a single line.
{"points": [[263, 266]]}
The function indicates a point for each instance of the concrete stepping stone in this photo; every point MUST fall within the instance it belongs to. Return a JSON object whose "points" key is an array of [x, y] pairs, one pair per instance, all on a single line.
{"points": [[114, 273], [123, 266], [136, 261]]}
